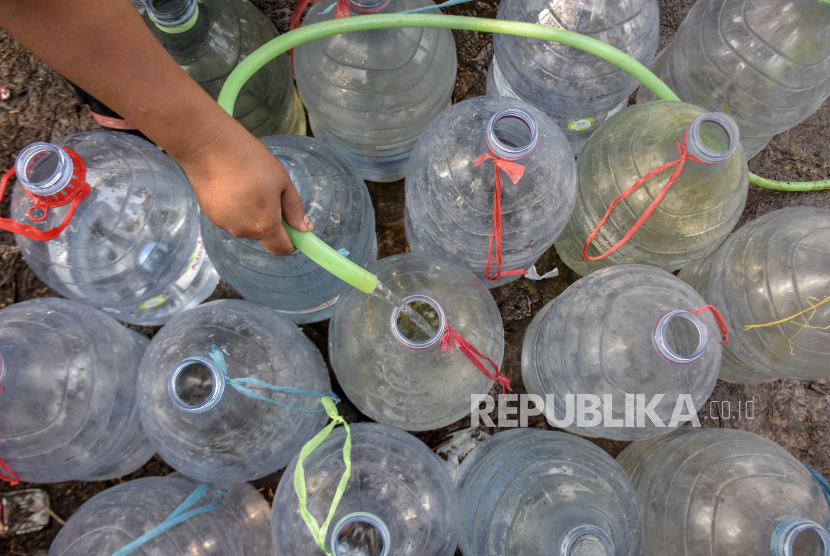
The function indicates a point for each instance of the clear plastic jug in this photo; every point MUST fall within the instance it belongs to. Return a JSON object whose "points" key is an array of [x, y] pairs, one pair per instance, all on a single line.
{"points": [[69, 410], [338, 204], [132, 247], [398, 501], [619, 333], [398, 376], [577, 89], [450, 191], [697, 211], [710, 492], [370, 94], [766, 63], [772, 272], [209, 38], [526, 491], [199, 422], [239, 525]]}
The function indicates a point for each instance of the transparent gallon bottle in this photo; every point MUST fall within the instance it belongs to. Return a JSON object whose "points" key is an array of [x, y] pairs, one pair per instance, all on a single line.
{"points": [[370, 94], [765, 63], [398, 501], [578, 90], [621, 333], [711, 492], [209, 38], [525, 492], [204, 426], [238, 525], [338, 204], [770, 281], [132, 247], [451, 193], [68, 409], [398, 375], [691, 215]]}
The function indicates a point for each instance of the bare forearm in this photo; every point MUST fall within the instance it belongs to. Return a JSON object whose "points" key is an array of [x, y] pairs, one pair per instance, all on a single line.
{"points": [[105, 47]]}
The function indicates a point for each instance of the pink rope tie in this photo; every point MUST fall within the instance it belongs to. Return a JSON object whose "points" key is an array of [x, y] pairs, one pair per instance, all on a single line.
{"points": [[475, 356]]}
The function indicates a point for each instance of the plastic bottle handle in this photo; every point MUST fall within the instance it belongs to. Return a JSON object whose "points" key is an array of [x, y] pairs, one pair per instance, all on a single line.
{"points": [[74, 193]]}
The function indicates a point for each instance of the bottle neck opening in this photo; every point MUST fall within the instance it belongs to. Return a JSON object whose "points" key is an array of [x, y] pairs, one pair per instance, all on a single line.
{"points": [[173, 16], [407, 332], [512, 133], [586, 540], [43, 168], [713, 138], [195, 385], [367, 6], [800, 537], [360, 533], [680, 336]]}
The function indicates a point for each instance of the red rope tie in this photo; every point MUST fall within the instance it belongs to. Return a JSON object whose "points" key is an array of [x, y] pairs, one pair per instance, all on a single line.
{"points": [[514, 172], [679, 163], [718, 319], [9, 476], [473, 355]]}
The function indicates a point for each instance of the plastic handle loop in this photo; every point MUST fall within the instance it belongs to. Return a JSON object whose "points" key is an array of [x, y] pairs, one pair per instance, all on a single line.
{"points": [[724, 331], [237, 384], [7, 474], [318, 532], [782, 321], [178, 516], [515, 172], [475, 356], [822, 484], [240, 75], [71, 195], [679, 163]]}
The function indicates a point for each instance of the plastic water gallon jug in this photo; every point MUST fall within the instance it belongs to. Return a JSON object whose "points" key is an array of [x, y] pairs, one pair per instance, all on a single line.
{"points": [[494, 214], [770, 280], [577, 89], [209, 38], [338, 204], [626, 335], [131, 246], [526, 491], [68, 409], [398, 500], [710, 492], [691, 183], [766, 63], [396, 374], [238, 524], [206, 410], [370, 94]]}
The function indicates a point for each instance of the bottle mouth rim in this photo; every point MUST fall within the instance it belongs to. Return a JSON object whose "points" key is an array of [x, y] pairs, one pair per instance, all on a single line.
{"points": [[367, 7], [57, 181], [701, 150], [783, 538], [432, 340], [183, 14], [502, 149], [361, 517], [216, 392], [580, 531], [661, 341]]}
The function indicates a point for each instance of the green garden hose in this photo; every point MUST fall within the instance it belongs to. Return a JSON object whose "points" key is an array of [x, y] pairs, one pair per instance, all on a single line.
{"points": [[316, 249]]}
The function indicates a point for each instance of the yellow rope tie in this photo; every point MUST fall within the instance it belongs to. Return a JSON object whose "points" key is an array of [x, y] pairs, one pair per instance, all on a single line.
{"points": [[810, 308]]}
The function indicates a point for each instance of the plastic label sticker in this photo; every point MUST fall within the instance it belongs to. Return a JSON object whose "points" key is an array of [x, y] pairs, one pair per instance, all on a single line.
{"points": [[184, 281], [502, 86], [325, 305], [581, 124]]}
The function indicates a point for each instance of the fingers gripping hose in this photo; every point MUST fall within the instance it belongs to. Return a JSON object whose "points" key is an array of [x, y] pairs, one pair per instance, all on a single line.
{"points": [[324, 255]]}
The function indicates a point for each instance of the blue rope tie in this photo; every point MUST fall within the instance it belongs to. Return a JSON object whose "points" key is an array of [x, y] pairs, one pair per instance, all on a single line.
{"points": [[237, 384], [179, 515], [416, 10]]}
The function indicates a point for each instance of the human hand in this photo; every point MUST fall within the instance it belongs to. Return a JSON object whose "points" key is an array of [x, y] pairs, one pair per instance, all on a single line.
{"points": [[242, 188]]}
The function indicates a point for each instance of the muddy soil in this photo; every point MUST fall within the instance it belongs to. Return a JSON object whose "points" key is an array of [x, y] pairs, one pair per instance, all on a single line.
{"points": [[794, 414]]}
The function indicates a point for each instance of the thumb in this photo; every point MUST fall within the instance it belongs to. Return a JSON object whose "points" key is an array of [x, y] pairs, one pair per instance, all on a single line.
{"points": [[293, 210]]}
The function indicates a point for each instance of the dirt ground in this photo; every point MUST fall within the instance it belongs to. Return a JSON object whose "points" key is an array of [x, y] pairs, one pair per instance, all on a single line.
{"points": [[794, 414]]}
